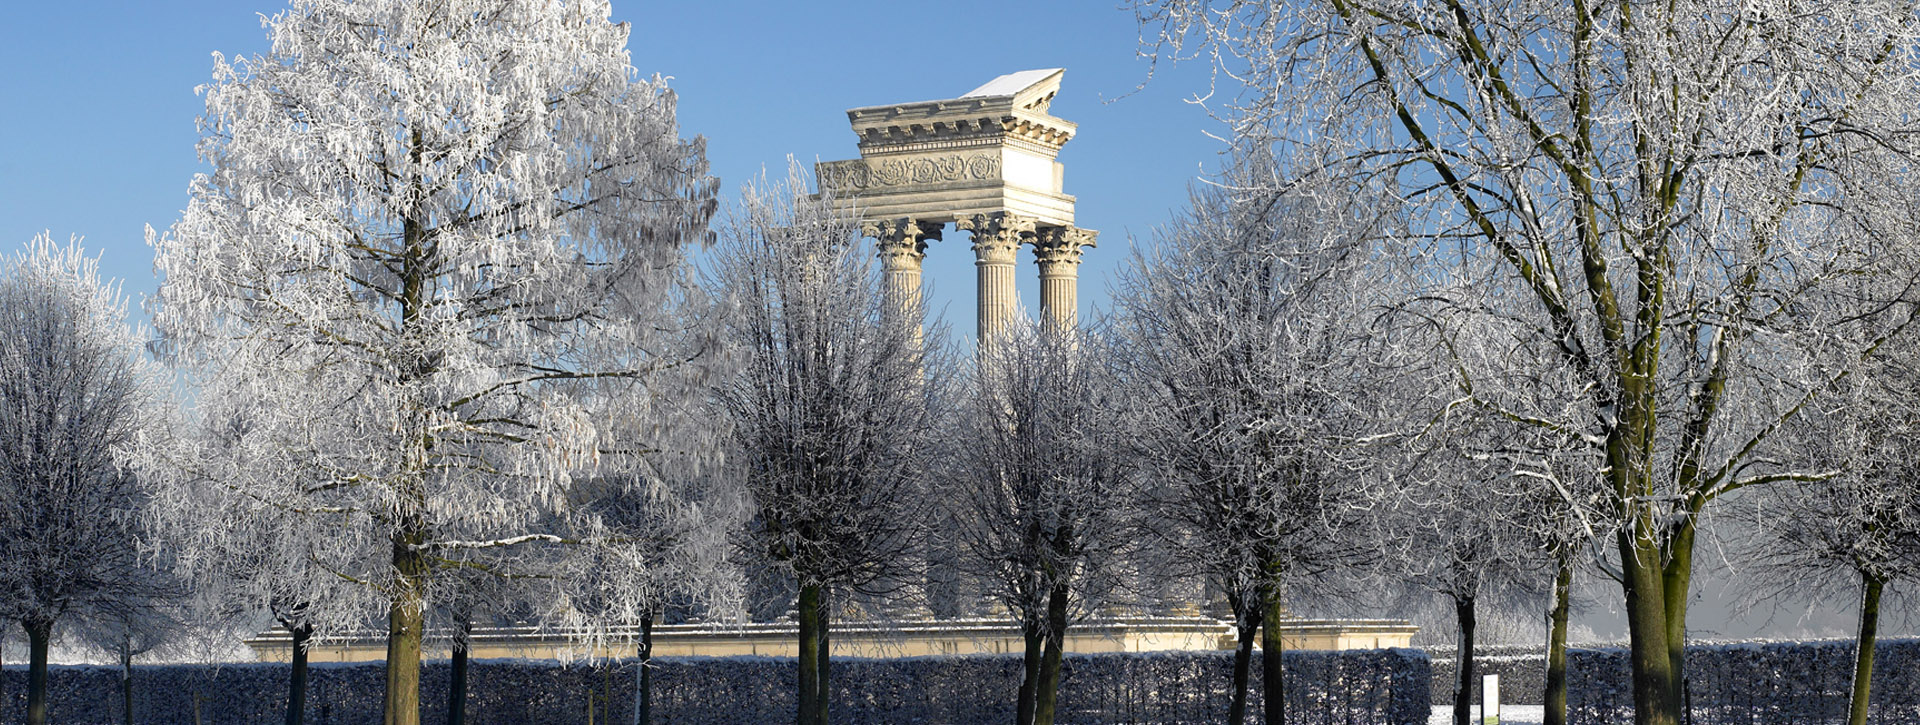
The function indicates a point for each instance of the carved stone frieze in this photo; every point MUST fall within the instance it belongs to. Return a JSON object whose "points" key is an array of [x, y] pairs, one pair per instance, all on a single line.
{"points": [[857, 175]]}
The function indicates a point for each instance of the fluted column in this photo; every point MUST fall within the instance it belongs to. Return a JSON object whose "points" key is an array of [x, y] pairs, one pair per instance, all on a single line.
{"points": [[1057, 252], [996, 245], [902, 244]]}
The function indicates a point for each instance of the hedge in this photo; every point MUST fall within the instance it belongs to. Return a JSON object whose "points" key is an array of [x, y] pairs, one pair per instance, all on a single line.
{"points": [[1777, 683], [1381, 687]]}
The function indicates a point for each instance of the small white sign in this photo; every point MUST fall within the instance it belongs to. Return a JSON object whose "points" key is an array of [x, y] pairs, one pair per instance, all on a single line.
{"points": [[1490, 700]]}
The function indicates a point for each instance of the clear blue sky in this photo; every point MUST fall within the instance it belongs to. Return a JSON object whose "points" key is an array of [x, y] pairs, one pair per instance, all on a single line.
{"points": [[99, 107], [99, 111]]}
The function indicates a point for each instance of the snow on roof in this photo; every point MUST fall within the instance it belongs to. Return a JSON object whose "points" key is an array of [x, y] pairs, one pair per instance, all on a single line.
{"points": [[1011, 83]]}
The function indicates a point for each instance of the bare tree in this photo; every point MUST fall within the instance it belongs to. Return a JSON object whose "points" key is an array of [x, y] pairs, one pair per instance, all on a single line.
{"points": [[1458, 524], [1243, 331], [1862, 526], [1488, 380], [77, 396], [1679, 190], [425, 228], [1044, 502], [831, 412]]}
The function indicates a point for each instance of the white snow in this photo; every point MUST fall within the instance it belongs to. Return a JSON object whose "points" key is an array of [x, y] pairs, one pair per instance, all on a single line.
{"points": [[1011, 83], [1509, 715]]}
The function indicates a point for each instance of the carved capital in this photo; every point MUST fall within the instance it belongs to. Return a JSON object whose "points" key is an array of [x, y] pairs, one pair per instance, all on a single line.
{"points": [[1058, 249], [997, 237], [901, 240]]}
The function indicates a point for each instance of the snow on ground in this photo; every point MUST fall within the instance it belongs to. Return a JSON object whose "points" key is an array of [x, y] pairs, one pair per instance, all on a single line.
{"points": [[1509, 715]]}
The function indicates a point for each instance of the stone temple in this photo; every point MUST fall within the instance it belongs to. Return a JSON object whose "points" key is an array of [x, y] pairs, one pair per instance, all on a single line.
{"points": [[986, 163]]}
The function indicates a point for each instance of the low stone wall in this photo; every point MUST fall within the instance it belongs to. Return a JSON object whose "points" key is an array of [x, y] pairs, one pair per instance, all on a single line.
{"points": [[1381, 687]]}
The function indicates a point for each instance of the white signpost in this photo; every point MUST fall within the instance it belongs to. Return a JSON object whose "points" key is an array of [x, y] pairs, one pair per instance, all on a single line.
{"points": [[1490, 700]]}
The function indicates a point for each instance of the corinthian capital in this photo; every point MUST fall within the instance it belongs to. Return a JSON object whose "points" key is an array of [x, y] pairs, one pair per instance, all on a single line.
{"points": [[1061, 245], [901, 240], [997, 236]]}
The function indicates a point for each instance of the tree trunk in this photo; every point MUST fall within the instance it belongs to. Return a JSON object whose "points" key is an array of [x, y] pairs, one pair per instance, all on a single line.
{"points": [[1863, 660], [1034, 634], [643, 689], [1272, 650], [1242, 669], [1463, 661], [1047, 692], [126, 679], [1556, 695], [1654, 690], [297, 679], [457, 687], [824, 697], [405, 620], [38, 634], [812, 712], [1676, 580]]}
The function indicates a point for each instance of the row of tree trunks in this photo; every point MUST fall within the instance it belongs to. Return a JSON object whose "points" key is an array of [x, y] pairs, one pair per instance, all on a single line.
{"points": [[406, 621], [1242, 669], [1047, 690], [457, 688], [126, 679], [1556, 695], [813, 656], [1463, 660], [1035, 639], [643, 692], [1870, 587], [1272, 652], [38, 634], [297, 679]]}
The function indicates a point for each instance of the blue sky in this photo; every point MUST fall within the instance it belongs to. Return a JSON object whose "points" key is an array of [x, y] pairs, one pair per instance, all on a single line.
{"points": [[99, 114]]}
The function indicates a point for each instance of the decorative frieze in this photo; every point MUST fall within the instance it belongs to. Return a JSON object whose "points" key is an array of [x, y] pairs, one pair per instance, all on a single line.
{"points": [[857, 175]]}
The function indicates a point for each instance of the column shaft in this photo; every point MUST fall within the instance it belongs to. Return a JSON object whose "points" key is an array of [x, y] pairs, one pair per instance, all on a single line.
{"points": [[996, 244], [1057, 252], [902, 244]]}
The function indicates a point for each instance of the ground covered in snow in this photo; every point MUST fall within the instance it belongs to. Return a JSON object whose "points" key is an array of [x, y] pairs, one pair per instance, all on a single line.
{"points": [[1509, 715]]}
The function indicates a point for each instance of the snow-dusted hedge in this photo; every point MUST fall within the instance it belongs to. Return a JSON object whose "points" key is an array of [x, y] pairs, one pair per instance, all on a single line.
{"points": [[1751, 684], [1383, 687], [1386, 687], [1522, 670]]}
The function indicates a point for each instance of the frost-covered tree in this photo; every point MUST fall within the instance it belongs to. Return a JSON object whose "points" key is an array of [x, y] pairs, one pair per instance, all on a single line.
{"points": [[1243, 332], [1861, 527], [426, 226], [248, 538], [1457, 527], [831, 412], [1507, 496], [1041, 491], [1682, 192], [77, 397]]}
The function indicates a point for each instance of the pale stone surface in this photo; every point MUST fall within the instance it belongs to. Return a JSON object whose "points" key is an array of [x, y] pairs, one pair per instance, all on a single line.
{"points": [[996, 246], [985, 162], [1057, 250], [874, 639]]}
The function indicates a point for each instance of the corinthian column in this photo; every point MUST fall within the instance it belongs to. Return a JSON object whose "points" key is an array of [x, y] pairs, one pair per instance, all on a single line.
{"points": [[996, 244], [902, 244], [1057, 251]]}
